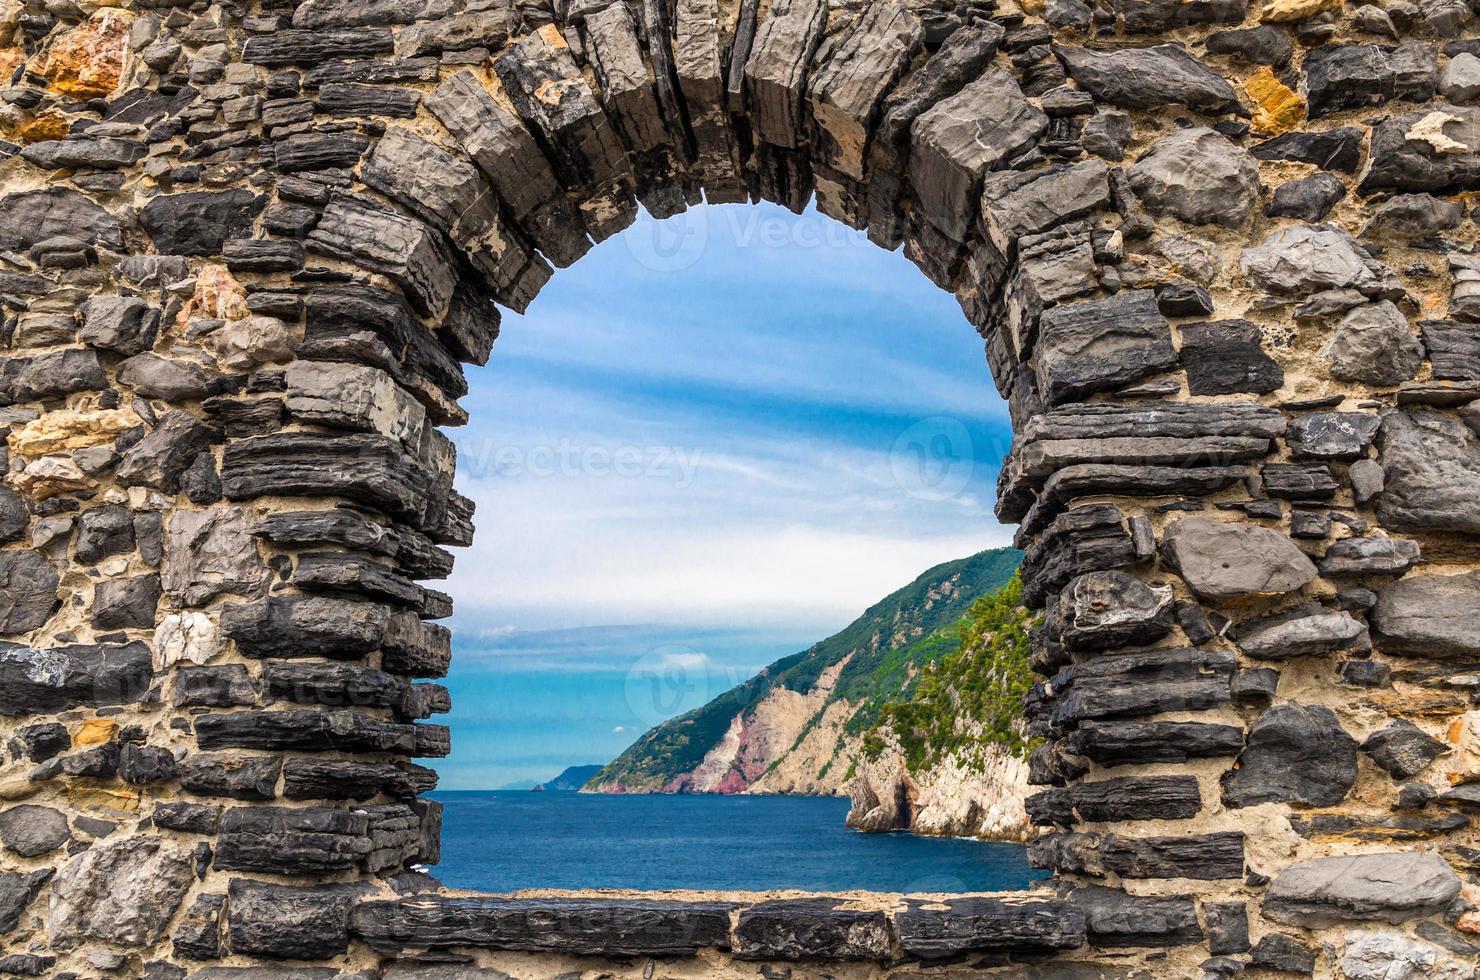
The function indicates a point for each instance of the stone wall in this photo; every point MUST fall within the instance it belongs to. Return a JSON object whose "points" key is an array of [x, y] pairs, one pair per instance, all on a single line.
{"points": [[1222, 259]]}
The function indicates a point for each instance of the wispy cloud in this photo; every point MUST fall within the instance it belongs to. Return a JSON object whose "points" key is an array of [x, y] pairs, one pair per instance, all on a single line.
{"points": [[729, 434]]}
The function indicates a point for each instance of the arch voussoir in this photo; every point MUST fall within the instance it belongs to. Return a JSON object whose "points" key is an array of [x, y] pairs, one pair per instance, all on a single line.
{"points": [[1222, 265]]}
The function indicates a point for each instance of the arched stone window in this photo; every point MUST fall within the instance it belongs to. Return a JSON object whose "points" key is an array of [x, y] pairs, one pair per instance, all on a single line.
{"points": [[1221, 261]]}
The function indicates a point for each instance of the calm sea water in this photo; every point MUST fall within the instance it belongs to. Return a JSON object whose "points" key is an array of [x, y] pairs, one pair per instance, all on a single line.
{"points": [[497, 842]]}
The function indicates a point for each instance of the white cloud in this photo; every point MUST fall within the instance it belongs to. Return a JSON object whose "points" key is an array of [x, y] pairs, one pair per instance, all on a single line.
{"points": [[619, 729]]}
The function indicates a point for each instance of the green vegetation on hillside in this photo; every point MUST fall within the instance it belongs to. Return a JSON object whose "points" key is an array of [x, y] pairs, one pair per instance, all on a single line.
{"points": [[890, 644], [982, 679]]}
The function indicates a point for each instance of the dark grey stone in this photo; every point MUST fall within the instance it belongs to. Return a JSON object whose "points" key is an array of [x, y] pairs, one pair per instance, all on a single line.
{"points": [[1085, 348], [127, 603], [119, 323], [1227, 357], [811, 928], [1264, 45], [1296, 753], [1431, 466], [42, 741], [1198, 176], [578, 927], [198, 935], [1148, 78], [960, 139], [1116, 920], [1306, 631], [1432, 616], [283, 922], [1117, 799], [1403, 749], [1012, 925], [1390, 887], [1205, 857], [1138, 684], [1309, 198], [1335, 149], [28, 592], [1231, 561], [159, 377], [1332, 436], [1228, 927], [199, 222], [144, 764], [1370, 556], [32, 831], [226, 686], [1284, 954], [30, 217], [1101, 610], [17, 891], [1373, 344], [63, 372], [55, 679], [1414, 215], [234, 777]]}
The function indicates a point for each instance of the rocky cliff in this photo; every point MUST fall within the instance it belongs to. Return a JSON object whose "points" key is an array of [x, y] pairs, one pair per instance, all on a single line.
{"points": [[569, 781], [951, 759], [818, 722]]}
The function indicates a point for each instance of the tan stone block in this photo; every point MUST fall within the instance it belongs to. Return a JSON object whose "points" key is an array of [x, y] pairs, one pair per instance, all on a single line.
{"points": [[96, 731], [1289, 11], [218, 296], [90, 797], [1277, 109], [91, 60], [46, 126], [51, 476], [10, 60], [18, 789], [58, 432], [10, 18]]}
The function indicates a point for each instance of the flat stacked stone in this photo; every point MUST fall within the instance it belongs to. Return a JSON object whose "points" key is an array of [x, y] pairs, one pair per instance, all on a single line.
{"points": [[1227, 291]]}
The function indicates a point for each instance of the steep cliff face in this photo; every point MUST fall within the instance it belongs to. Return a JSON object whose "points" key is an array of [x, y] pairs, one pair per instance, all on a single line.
{"points": [[785, 729], [973, 793], [845, 717], [950, 759]]}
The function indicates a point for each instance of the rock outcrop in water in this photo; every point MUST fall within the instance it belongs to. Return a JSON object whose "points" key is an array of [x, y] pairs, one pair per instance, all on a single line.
{"points": [[950, 760], [818, 723]]}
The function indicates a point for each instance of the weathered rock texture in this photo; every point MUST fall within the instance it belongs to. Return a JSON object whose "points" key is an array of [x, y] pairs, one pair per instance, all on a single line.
{"points": [[245, 247]]}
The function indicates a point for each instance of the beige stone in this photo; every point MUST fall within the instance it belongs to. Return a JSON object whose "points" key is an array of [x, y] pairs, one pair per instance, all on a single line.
{"points": [[10, 60], [44, 126], [90, 797], [254, 341], [10, 17], [18, 789], [1289, 11], [217, 295], [51, 476], [57, 432], [191, 636]]}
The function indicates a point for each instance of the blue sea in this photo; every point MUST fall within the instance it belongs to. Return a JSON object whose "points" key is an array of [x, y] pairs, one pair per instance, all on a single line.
{"points": [[503, 841]]}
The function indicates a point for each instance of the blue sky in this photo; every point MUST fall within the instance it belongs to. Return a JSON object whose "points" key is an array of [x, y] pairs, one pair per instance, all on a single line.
{"points": [[712, 442]]}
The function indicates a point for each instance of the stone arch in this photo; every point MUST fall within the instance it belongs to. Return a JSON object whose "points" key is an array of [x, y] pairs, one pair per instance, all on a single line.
{"points": [[245, 246]]}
